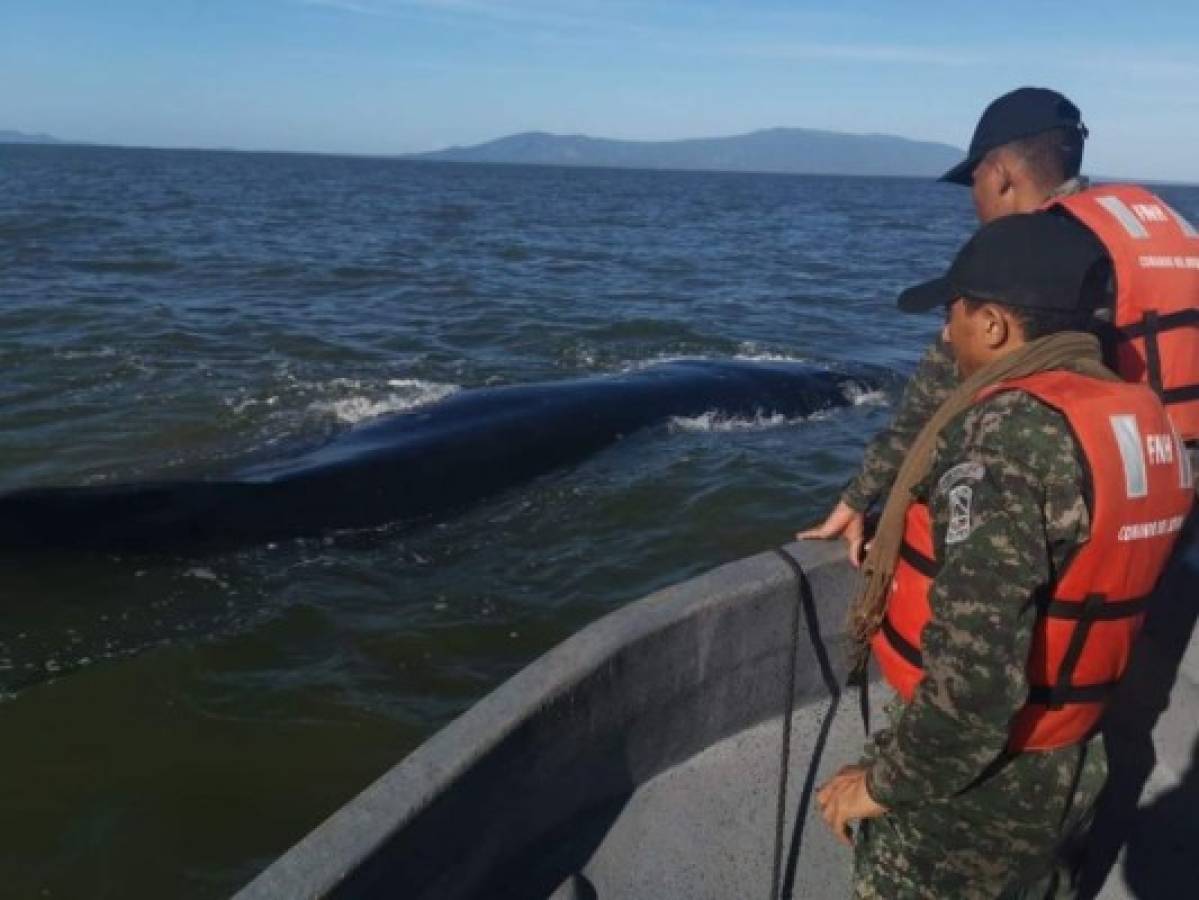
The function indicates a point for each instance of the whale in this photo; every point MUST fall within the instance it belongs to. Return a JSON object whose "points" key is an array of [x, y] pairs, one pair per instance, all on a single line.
{"points": [[417, 465]]}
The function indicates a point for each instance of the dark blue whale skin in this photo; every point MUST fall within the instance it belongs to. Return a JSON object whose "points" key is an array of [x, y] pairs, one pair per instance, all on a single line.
{"points": [[412, 465]]}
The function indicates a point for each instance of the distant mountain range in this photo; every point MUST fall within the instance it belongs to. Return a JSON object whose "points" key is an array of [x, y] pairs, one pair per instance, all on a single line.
{"points": [[20, 137], [787, 150], [790, 150]]}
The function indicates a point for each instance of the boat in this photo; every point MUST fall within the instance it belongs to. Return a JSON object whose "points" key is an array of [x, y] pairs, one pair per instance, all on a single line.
{"points": [[671, 750]]}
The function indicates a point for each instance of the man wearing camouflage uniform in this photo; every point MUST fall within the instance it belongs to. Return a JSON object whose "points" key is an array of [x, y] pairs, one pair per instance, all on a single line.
{"points": [[1026, 150], [948, 808]]}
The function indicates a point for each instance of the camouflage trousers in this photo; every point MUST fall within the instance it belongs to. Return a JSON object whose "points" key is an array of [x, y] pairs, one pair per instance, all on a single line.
{"points": [[1016, 835]]}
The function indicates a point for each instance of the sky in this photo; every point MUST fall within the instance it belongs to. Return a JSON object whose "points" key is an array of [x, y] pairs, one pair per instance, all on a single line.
{"points": [[398, 76]]}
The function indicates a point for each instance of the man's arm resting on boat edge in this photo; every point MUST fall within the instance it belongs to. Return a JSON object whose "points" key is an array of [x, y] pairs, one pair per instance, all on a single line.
{"points": [[934, 379]]}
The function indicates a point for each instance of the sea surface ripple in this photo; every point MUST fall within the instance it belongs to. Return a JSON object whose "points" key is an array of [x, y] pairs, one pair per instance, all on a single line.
{"points": [[172, 724]]}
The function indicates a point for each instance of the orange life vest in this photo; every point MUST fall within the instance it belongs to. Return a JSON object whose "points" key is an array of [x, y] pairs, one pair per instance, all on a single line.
{"points": [[1141, 494], [1155, 253]]}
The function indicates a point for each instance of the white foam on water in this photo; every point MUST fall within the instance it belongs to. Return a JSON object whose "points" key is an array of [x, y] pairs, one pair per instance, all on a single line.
{"points": [[714, 421], [639, 365], [752, 351], [346, 400], [773, 357], [204, 574], [127, 361], [858, 395], [239, 405], [404, 394], [582, 356], [102, 352], [747, 353]]}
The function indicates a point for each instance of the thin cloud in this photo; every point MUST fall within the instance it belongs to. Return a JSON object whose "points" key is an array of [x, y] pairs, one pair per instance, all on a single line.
{"points": [[524, 14], [900, 54], [624, 21], [348, 6], [1137, 67], [573, 18]]}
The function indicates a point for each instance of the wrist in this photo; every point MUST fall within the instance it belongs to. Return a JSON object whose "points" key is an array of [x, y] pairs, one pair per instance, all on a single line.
{"points": [[875, 788], [855, 499]]}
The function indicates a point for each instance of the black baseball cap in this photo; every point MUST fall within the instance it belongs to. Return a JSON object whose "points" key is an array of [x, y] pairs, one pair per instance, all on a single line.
{"points": [[1019, 114], [1039, 260]]}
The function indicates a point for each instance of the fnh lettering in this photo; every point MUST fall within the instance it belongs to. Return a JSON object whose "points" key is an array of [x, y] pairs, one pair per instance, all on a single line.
{"points": [[1160, 448], [1149, 212]]}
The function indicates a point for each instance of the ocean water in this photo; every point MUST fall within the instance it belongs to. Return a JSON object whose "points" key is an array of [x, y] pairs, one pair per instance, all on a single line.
{"points": [[172, 723]]}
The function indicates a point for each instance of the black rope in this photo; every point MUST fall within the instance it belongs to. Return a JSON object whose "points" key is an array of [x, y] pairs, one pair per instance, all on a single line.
{"points": [[862, 680], [780, 820], [805, 602]]}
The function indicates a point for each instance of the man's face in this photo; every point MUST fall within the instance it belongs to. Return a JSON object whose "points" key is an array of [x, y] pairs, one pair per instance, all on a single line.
{"points": [[964, 332]]}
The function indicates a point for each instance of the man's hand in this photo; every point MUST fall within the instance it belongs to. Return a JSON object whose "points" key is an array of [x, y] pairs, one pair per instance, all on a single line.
{"points": [[844, 521], [845, 799]]}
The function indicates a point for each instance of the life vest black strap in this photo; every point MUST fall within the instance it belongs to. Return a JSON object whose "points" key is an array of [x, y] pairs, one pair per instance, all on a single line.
{"points": [[909, 651], [1106, 612], [1063, 689], [1094, 608], [1168, 322], [1183, 394], [925, 565], [1153, 353], [1149, 328], [1055, 698]]}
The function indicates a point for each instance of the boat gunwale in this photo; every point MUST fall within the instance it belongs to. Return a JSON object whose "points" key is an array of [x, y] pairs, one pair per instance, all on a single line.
{"points": [[685, 637]]}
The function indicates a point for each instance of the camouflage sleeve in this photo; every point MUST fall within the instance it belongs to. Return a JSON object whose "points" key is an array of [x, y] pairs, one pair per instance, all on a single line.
{"points": [[935, 377], [1007, 509]]}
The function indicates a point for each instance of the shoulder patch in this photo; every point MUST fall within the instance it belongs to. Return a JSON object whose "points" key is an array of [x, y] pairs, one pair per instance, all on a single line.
{"points": [[967, 471], [960, 519]]}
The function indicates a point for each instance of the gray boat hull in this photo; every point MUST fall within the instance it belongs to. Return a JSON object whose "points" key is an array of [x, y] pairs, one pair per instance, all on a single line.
{"points": [[641, 759]]}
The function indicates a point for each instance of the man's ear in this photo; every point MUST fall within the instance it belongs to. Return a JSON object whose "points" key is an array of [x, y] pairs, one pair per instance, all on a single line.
{"points": [[1005, 172], [996, 327]]}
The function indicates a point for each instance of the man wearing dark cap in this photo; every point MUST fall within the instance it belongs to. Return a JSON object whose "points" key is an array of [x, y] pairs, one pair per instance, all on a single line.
{"points": [[1025, 155], [1034, 512]]}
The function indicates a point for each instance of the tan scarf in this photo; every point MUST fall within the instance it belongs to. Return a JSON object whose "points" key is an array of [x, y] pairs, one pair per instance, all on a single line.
{"points": [[1073, 350]]}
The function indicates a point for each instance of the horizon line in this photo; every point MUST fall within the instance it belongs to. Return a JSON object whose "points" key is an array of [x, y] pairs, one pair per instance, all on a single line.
{"points": [[415, 156]]}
